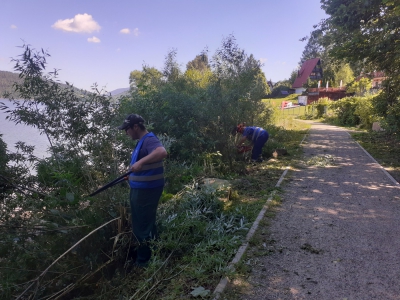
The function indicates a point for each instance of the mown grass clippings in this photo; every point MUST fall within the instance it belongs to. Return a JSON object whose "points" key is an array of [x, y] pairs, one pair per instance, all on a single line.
{"points": [[325, 160], [260, 245]]}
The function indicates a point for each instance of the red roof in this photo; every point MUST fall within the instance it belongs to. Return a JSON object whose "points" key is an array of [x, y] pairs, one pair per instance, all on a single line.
{"points": [[305, 72]]}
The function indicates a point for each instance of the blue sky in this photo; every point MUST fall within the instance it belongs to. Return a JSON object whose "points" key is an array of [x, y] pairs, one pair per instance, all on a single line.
{"points": [[102, 41]]}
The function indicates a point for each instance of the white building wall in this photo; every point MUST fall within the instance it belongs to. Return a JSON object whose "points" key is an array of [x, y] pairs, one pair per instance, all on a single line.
{"points": [[299, 90]]}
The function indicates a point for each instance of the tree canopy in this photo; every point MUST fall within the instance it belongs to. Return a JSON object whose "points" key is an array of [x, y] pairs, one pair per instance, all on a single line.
{"points": [[367, 33], [198, 107], [145, 79], [343, 74], [200, 62]]}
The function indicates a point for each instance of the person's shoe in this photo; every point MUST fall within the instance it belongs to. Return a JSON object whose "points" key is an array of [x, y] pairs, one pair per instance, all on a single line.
{"points": [[255, 161]]}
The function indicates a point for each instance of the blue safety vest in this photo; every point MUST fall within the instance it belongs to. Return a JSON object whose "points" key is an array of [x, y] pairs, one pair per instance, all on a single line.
{"points": [[257, 131], [151, 175]]}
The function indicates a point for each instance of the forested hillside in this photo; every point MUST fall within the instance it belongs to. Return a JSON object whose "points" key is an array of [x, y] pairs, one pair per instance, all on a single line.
{"points": [[6, 81]]}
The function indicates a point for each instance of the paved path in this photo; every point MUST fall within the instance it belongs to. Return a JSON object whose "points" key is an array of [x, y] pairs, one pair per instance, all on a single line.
{"points": [[337, 233]]}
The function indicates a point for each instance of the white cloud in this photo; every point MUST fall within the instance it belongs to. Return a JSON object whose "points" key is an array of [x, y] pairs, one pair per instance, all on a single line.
{"points": [[263, 60], [13, 27], [80, 23], [93, 40], [125, 31], [136, 32], [119, 49]]}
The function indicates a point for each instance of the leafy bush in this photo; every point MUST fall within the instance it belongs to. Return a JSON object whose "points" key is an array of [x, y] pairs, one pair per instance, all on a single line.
{"points": [[179, 174], [352, 111], [360, 87], [387, 105], [321, 106], [198, 108], [5, 187], [365, 110], [345, 110], [316, 110]]}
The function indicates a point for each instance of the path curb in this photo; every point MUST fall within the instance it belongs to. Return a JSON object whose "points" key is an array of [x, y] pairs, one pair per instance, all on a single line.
{"points": [[374, 160], [242, 249]]}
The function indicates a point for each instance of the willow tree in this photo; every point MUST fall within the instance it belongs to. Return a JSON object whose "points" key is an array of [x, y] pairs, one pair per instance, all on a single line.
{"points": [[199, 107]]}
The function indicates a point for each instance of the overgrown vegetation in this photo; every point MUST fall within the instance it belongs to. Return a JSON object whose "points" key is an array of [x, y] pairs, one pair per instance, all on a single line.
{"points": [[355, 111], [55, 242], [350, 111], [316, 110]]}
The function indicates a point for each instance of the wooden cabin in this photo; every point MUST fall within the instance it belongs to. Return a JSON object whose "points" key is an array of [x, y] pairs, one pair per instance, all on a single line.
{"points": [[311, 69]]}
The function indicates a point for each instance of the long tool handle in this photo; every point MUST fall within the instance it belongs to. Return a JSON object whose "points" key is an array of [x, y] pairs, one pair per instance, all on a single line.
{"points": [[110, 184]]}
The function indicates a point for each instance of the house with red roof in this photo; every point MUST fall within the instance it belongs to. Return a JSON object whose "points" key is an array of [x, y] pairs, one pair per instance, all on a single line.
{"points": [[311, 69]]}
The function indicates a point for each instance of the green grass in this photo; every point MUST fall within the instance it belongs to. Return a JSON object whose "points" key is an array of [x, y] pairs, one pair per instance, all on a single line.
{"points": [[285, 117], [277, 101], [385, 148]]}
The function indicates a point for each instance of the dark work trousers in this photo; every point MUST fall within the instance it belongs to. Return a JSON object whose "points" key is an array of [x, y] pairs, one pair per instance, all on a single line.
{"points": [[144, 204], [258, 145]]}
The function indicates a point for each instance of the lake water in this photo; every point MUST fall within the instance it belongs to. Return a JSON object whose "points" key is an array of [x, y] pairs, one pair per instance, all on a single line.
{"points": [[13, 133]]}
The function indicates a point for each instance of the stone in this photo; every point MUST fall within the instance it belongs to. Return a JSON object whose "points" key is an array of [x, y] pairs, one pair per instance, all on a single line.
{"points": [[377, 127], [218, 184]]}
